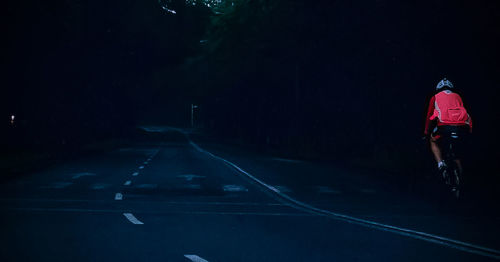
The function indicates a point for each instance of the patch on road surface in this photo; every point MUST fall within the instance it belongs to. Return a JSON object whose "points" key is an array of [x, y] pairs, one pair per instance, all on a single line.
{"points": [[78, 175], [327, 190], [287, 160], [194, 186], [99, 186], [58, 185], [235, 188], [190, 177], [147, 186]]}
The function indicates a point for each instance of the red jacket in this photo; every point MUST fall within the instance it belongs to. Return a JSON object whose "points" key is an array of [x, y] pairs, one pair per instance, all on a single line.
{"points": [[447, 108]]}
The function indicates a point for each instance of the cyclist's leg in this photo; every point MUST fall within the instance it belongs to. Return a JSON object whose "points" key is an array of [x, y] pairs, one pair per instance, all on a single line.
{"points": [[435, 147], [459, 165], [460, 145], [436, 150]]}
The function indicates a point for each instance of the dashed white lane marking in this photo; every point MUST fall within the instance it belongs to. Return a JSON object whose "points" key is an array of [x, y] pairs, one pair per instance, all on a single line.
{"points": [[154, 154], [436, 239], [118, 196], [235, 188], [76, 176], [141, 167], [127, 183], [132, 219], [195, 258], [135, 174]]}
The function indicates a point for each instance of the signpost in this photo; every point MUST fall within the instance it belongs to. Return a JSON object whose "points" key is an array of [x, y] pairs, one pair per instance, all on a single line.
{"points": [[193, 106]]}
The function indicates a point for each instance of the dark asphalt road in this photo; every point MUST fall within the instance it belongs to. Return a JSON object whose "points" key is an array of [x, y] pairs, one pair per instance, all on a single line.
{"points": [[170, 202]]}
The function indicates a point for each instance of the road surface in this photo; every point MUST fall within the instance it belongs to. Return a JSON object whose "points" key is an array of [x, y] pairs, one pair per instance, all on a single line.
{"points": [[196, 201]]}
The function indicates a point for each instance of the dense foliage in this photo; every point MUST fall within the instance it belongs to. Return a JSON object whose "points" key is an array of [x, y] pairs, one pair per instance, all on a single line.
{"points": [[339, 76]]}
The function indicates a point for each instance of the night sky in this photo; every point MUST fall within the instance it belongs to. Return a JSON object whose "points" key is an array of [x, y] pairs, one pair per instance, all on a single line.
{"points": [[338, 77]]}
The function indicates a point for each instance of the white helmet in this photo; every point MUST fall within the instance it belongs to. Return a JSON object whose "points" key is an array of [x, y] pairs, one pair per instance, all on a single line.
{"points": [[443, 83]]}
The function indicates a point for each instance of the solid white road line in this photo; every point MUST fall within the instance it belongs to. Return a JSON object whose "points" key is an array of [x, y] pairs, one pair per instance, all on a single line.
{"points": [[283, 189], [118, 196], [436, 239], [82, 210], [195, 258], [229, 203], [135, 174], [132, 219], [127, 183]]}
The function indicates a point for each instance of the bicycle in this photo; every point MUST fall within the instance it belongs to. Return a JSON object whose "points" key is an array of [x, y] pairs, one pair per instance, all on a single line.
{"points": [[452, 173]]}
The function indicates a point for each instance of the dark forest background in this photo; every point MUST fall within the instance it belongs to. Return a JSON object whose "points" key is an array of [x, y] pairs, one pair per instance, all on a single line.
{"points": [[344, 79]]}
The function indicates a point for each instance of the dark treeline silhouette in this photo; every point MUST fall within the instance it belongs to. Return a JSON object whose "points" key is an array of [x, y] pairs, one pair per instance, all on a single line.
{"points": [[346, 79], [77, 71], [315, 78]]}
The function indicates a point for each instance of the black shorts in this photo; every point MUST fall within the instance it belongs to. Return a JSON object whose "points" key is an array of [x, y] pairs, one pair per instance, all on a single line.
{"points": [[447, 131], [458, 135]]}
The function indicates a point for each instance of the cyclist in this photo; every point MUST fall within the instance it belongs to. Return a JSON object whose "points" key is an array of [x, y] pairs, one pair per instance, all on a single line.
{"points": [[446, 114]]}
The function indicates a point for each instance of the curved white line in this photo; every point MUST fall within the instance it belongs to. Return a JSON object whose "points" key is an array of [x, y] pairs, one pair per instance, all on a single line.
{"points": [[460, 245], [195, 258], [132, 219]]}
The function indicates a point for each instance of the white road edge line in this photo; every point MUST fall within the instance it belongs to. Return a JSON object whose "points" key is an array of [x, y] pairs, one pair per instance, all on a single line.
{"points": [[118, 196], [456, 244], [195, 258], [132, 219], [127, 183]]}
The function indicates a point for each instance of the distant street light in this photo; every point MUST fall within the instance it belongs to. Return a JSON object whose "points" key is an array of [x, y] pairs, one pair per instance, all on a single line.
{"points": [[193, 106], [12, 118]]}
